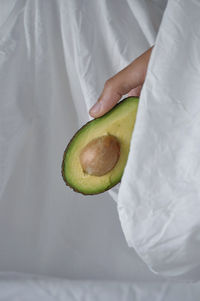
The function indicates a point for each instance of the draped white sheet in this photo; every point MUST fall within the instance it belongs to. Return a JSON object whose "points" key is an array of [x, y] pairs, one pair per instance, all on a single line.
{"points": [[159, 198], [54, 59], [15, 286]]}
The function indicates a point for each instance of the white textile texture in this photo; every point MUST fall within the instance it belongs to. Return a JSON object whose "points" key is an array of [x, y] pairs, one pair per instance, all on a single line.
{"points": [[55, 56], [17, 286], [159, 197]]}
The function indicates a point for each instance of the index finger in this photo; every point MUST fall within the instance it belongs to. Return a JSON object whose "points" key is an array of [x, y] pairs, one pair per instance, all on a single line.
{"points": [[127, 79]]}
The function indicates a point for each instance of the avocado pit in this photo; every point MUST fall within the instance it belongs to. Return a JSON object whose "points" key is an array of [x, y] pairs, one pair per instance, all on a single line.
{"points": [[100, 155]]}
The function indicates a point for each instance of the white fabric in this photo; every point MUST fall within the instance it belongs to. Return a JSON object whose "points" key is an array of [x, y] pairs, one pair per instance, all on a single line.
{"points": [[55, 56], [15, 286], [159, 197]]}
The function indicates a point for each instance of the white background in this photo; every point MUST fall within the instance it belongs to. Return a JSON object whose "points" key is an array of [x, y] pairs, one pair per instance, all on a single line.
{"points": [[54, 59]]}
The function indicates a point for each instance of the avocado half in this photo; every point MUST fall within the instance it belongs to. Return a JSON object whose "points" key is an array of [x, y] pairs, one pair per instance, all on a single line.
{"points": [[118, 122]]}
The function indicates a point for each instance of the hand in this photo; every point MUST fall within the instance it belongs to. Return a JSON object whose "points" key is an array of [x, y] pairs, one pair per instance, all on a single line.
{"points": [[129, 80]]}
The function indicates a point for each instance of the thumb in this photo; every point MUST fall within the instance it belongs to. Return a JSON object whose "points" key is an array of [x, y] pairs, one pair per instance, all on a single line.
{"points": [[127, 79]]}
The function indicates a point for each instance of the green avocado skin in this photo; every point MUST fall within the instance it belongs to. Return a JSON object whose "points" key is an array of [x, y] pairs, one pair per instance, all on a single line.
{"points": [[127, 102]]}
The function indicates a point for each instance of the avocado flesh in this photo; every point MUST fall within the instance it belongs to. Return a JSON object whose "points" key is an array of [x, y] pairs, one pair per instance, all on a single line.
{"points": [[118, 122]]}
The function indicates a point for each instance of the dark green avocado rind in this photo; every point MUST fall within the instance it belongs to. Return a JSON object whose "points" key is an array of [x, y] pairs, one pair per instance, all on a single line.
{"points": [[73, 140]]}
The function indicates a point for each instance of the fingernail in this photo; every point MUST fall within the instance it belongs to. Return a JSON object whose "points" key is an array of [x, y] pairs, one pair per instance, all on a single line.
{"points": [[96, 108]]}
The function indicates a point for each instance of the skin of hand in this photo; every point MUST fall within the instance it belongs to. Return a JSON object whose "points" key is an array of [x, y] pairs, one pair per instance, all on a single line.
{"points": [[129, 80]]}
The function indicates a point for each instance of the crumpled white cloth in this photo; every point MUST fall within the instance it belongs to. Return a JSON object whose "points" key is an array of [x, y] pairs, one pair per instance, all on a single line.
{"points": [[17, 286], [55, 56], [159, 196], [54, 59]]}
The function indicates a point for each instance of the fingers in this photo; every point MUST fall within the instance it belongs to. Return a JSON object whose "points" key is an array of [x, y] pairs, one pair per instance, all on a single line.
{"points": [[109, 97], [123, 82]]}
